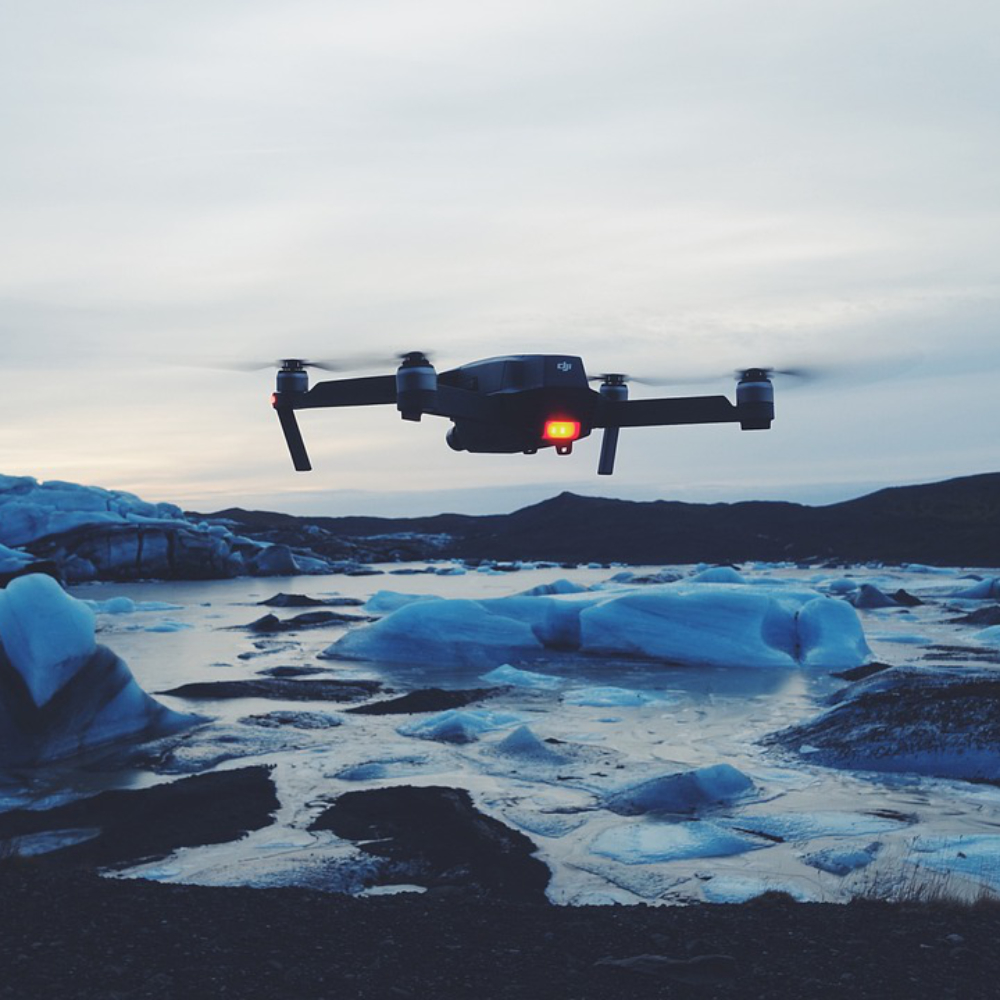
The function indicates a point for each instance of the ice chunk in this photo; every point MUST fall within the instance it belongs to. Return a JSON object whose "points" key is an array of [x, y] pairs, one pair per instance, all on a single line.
{"points": [[741, 889], [460, 631], [990, 636], [384, 602], [47, 634], [459, 725], [842, 860], [61, 693], [561, 586], [650, 842], [608, 697], [554, 620], [168, 625], [685, 792], [523, 744], [545, 824], [984, 590], [843, 586], [506, 674], [718, 574], [808, 826], [976, 856], [830, 635], [13, 561], [705, 623]]}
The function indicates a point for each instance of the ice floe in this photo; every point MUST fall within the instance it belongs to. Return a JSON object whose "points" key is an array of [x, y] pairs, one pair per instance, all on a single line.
{"points": [[612, 697], [653, 841], [706, 623], [810, 825]]}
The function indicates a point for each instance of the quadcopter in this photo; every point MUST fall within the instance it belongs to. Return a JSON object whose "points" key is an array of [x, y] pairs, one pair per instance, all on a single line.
{"points": [[517, 403]]}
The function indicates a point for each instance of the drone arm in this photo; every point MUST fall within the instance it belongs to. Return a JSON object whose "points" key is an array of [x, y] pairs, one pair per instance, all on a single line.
{"points": [[345, 392], [657, 412]]}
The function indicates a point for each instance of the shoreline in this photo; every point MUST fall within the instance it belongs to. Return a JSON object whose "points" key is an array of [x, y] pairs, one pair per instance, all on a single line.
{"points": [[76, 935]]}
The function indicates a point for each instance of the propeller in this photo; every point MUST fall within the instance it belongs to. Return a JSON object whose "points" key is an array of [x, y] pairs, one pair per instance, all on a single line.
{"points": [[853, 370], [344, 363]]}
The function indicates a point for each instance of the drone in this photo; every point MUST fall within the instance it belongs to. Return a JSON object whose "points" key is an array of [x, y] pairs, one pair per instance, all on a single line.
{"points": [[518, 403]]}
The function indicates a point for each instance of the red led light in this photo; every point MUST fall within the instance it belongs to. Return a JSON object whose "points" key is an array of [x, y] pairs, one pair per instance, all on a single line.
{"points": [[561, 430]]}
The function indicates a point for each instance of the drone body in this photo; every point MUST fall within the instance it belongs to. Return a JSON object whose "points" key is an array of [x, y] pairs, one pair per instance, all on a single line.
{"points": [[518, 403]]}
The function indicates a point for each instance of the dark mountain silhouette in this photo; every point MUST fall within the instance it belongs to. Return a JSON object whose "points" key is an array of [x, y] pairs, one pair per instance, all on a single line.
{"points": [[956, 522]]}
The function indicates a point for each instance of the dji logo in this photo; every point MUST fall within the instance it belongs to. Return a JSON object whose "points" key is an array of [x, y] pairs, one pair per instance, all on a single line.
{"points": [[565, 366]]}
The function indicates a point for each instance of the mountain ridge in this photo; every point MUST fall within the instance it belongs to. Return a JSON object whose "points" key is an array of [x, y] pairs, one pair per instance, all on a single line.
{"points": [[949, 522]]}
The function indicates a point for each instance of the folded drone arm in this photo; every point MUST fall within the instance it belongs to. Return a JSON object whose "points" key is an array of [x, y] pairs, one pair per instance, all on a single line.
{"points": [[344, 392], [658, 412]]}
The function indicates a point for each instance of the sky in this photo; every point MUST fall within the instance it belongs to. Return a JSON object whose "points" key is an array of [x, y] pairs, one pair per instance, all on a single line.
{"points": [[674, 188]]}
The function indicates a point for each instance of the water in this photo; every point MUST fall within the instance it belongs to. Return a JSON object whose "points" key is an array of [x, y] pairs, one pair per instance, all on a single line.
{"points": [[700, 717]]}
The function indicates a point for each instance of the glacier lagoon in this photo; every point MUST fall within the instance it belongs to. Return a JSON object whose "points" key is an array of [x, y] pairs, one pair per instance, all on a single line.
{"points": [[566, 737]]}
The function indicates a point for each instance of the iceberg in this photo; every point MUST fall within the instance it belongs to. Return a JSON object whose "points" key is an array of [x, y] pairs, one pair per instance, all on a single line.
{"points": [[461, 631], [61, 692], [710, 624], [84, 533]]}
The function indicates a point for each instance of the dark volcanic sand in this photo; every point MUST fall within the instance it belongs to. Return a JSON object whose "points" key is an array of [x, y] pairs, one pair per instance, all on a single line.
{"points": [[80, 936]]}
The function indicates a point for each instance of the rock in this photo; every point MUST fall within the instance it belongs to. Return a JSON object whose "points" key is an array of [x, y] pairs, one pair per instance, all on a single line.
{"points": [[280, 688], [981, 617], [860, 673], [133, 826], [929, 720], [308, 619], [424, 700], [296, 720], [302, 601], [868, 597], [697, 970], [435, 837]]}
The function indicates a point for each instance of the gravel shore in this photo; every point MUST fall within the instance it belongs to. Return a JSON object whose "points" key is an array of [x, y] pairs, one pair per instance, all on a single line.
{"points": [[73, 934]]}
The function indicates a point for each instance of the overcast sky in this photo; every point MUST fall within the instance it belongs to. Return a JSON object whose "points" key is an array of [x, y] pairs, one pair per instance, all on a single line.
{"points": [[657, 186]]}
